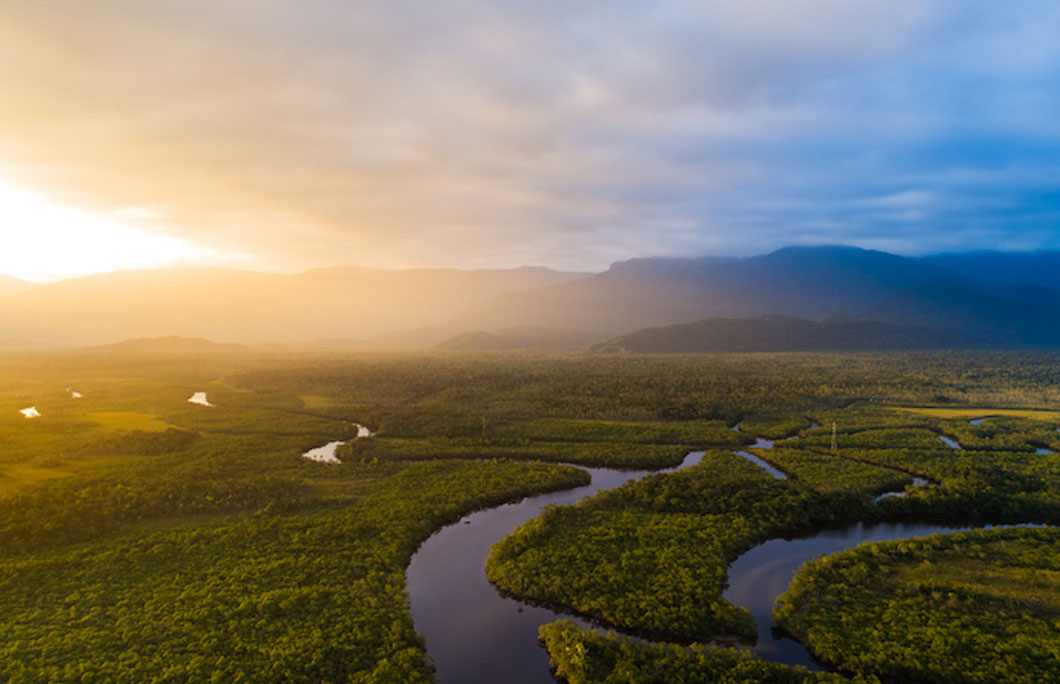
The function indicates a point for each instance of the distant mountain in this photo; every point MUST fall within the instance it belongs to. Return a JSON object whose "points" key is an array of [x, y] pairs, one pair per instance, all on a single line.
{"points": [[244, 306], [1019, 317], [1003, 269], [163, 345], [527, 337], [804, 282], [10, 285], [979, 299], [777, 333]]}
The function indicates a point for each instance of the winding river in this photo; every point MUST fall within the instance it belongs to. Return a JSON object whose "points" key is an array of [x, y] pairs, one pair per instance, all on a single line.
{"points": [[475, 635]]}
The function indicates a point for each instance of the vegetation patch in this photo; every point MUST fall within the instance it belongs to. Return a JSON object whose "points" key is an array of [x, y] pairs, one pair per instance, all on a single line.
{"points": [[317, 596], [969, 413], [206, 547], [601, 454], [979, 607], [583, 657], [699, 432], [651, 556], [128, 420]]}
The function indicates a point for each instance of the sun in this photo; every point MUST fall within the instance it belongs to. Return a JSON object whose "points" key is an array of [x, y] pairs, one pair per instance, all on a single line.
{"points": [[44, 241]]}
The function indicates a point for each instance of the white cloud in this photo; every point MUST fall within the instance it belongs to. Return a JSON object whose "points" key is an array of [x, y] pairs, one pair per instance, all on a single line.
{"points": [[468, 132]]}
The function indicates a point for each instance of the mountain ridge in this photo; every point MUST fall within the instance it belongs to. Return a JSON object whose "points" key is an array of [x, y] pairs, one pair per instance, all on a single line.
{"points": [[776, 334], [1011, 305]]}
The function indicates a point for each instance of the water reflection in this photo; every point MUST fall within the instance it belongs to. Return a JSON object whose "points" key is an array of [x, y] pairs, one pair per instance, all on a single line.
{"points": [[759, 576], [326, 453], [474, 634], [768, 467], [199, 398], [951, 442], [917, 482]]}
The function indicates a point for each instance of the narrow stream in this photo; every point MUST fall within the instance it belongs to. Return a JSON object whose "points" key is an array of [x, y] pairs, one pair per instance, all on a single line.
{"points": [[761, 443], [952, 443], [327, 452]]}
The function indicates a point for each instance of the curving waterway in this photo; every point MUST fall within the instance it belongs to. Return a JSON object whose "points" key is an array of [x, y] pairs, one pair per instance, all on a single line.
{"points": [[476, 635], [762, 574]]}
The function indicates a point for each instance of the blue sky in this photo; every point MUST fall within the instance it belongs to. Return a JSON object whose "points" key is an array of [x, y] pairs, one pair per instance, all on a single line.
{"points": [[571, 134]]}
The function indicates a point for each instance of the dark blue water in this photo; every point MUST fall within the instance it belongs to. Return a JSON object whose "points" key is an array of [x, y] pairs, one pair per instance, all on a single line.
{"points": [[473, 633], [762, 574], [477, 636]]}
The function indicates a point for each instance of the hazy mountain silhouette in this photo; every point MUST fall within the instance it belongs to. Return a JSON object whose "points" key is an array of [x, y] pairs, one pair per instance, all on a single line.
{"points": [[162, 345], [777, 333], [980, 317], [977, 299], [1003, 269], [805, 282], [977, 305], [244, 306], [525, 337]]}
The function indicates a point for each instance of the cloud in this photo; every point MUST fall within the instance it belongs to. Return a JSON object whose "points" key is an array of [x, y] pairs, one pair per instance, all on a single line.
{"points": [[475, 133]]}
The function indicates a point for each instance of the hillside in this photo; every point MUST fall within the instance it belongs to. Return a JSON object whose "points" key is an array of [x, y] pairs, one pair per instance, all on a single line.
{"points": [[1002, 269], [777, 333], [804, 282], [1011, 317]]}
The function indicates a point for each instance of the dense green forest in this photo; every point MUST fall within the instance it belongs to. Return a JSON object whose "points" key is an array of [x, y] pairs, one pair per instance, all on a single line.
{"points": [[977, 606], [145, 538], [585, 657]]}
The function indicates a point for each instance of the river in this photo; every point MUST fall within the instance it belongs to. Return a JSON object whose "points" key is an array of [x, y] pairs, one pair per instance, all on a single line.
{"points": [[476, 635]]}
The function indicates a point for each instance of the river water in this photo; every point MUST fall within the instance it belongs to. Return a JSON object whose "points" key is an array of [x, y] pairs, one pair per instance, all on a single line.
{"points": [[762, 574], [475, 635]]}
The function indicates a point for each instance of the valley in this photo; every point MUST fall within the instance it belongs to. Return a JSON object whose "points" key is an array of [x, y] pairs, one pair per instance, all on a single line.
{"points": [[171, 540]]}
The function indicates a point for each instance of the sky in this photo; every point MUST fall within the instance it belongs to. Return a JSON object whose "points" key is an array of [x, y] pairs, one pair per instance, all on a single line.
{"points": [[414, 133]]}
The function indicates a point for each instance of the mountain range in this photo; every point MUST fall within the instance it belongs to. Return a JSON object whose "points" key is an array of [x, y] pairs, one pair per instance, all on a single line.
{"points": [[795, 297], [777, 333]]}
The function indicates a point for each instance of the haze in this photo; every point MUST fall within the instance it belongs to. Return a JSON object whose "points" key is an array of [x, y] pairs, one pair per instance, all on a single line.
{"points": [[283, 137]]}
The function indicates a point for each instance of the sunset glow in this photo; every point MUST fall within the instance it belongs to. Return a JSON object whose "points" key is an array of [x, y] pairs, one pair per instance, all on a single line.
{"points": [[45, 241], [482, 135], [707, 322]]}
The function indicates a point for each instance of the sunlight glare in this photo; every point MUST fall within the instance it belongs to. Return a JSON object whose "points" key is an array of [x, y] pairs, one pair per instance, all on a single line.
{"points": [[43, 241]]}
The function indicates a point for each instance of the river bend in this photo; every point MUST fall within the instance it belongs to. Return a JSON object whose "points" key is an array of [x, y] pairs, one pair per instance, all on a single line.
{"points": [[476, 635]]}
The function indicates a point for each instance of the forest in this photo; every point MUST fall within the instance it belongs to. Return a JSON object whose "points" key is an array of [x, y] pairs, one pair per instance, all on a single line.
{"points": [[144, 538], [987, 602]]}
